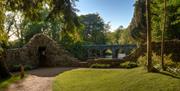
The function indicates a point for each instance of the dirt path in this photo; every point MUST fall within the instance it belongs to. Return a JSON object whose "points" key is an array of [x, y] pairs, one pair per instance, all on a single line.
{"points": [[37, 80]]}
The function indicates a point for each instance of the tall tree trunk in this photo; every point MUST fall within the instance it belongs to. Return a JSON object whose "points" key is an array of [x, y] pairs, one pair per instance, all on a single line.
{"points": [[4, 72], [149, 51], [162, 38]]}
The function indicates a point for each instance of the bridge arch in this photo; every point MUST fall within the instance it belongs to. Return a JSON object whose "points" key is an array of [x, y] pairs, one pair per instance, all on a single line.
{"points": [[106, 52]]}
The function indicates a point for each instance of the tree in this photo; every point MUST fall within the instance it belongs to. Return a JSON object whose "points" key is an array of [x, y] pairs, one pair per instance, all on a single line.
{"points": [[95, 29], [162, 40], [4, 73], [172, 20], [120, 36], [62, 9], [149, 50], [117, 34]]}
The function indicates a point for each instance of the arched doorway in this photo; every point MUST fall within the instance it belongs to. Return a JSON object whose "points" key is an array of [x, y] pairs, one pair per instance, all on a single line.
{"points": [[42, 56]]}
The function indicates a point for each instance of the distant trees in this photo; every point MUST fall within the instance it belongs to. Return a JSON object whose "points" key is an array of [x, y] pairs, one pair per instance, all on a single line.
{"points": [[95, 29], [120, 36]]}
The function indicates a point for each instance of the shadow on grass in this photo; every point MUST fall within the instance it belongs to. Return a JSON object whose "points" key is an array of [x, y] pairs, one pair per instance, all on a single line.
{"points": [[2, 80], [169, 74]]}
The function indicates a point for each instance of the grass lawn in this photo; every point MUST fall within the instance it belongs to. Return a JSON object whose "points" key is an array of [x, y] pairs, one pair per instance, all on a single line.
{"points": [[136, 79], [6, 82]]}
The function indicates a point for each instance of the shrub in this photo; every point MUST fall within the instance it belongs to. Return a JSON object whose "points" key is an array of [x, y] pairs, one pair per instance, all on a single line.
{"points": [[128, 65], [96, 65], [156, 60], [142, 60], [28, 67], [114, 63], [18, 66], [106, 60]]}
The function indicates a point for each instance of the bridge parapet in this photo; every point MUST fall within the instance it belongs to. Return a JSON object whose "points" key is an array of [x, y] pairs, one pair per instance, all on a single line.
{"points": [[98, 51]]}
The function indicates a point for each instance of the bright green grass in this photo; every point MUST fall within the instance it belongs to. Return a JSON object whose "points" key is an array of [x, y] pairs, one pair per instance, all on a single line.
{"points": [[136, 79], [6, 82]]}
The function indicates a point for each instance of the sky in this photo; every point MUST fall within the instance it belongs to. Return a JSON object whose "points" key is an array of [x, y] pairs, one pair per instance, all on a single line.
{"points": [[117, 12]]}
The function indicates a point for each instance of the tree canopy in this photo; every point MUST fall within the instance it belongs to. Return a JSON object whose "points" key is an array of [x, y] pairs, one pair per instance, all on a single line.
{"points": [[95, 29]]}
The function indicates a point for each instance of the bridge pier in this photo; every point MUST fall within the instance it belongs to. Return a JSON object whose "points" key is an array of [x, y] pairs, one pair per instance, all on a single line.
{"points": [[88, 53], [101, 53], [114, 54]]}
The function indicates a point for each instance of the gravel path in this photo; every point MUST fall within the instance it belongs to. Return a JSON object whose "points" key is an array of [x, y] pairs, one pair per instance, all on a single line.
{"points": [[37, 80]]}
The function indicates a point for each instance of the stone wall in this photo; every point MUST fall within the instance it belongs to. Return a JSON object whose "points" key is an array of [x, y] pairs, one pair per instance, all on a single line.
{"points": [[20, 56]]}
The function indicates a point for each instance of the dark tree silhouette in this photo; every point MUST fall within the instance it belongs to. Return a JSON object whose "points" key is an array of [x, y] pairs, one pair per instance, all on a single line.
{"points": [[4, 72], [149, 50]]}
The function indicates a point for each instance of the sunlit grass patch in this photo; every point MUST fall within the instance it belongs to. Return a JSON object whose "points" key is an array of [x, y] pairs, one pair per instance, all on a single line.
{"points": [[136, 79]]}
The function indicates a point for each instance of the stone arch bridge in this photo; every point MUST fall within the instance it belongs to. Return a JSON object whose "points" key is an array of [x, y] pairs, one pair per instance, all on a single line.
{"points": [[98, 51]]}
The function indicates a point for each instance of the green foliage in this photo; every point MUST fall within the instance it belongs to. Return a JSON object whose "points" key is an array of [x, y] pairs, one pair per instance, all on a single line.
{"points": [[172, 26], [49, 27], [18, 67], [156, 59], [3, 41], [3, 35], [32, 29], [96, 65], [108, 52], [142, 60], [6, 82], [137, 26], [16, 44], [56, 18], [103, 60], [120, 36], [114, 80], [113, 63], [95, 29], [77, 50], [128, 65], [47, 16], [63, 9]]}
